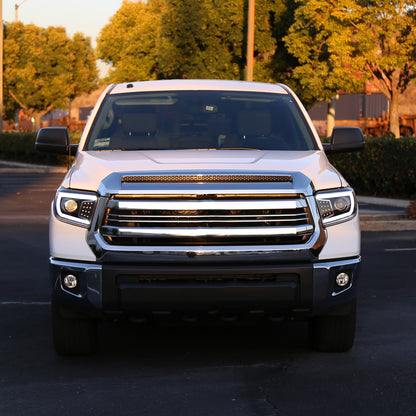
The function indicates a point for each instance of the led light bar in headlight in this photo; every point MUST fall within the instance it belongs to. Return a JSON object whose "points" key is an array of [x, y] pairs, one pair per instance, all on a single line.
{"points": [[336, 206], [75, 207]]}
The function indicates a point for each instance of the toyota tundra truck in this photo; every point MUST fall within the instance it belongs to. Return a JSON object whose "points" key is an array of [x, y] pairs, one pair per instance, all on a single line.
{"points": [[202, 198]]}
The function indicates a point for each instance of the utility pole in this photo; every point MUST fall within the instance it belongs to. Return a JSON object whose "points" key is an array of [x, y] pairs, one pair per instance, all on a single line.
{"points": [[16, 8], [1, 66], [250, 39]]}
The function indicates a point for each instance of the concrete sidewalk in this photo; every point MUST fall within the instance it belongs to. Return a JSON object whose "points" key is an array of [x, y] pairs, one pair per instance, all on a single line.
{"points": [[384, 214], [376, 214]]}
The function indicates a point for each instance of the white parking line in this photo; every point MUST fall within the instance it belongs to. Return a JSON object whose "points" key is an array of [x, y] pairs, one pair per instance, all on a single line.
{"points": [[12, 302], [400, 249]]}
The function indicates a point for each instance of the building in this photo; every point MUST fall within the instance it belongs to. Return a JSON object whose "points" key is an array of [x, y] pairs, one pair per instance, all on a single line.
{"points": [[368, 110]]}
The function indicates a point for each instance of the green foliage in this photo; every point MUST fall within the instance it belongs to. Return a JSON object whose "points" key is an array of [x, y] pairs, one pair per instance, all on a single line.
{"points": [[44, 69], [193, 44], [340, 44], [128, 42], [83, 74], [317, 47], [320, 38], [189, 39], [281, 63], [386, 167], [20, 147], [385, 37]]}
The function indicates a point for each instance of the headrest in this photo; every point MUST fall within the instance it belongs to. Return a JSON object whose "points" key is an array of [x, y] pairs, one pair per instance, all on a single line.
{"points": [[139, 123], [254, 123]]}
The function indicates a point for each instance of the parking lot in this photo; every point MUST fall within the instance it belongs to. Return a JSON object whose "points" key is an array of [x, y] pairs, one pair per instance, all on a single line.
{"points": [[195, 369]]}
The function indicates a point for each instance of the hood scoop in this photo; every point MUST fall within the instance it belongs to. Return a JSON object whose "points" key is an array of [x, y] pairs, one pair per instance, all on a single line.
{"points": [[206, 178]]}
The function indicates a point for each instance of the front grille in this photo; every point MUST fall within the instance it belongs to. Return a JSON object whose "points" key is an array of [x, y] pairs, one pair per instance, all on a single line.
{"points": [[159, 221]]}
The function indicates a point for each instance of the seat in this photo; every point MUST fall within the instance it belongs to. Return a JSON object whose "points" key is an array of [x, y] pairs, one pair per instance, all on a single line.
{"points": [[138, 130], [254, 127]]}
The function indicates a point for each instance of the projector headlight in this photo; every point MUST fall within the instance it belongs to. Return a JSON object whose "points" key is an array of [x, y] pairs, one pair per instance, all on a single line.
{"points": [[336, 206], [75, 207]]}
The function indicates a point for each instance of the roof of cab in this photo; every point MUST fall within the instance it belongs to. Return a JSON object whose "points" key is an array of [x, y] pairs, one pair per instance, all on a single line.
{"points": [[196, 84]]}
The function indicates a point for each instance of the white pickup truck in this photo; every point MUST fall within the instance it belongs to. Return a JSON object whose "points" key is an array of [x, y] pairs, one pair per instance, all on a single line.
{"points": [[213, 199]]}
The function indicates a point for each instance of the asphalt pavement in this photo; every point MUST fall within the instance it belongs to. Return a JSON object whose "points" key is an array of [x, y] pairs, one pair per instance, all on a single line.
{"points": [[160, 370]]}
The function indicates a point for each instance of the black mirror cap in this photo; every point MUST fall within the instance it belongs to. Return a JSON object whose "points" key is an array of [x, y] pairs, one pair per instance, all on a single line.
{"points": [[345, 139], [55, 140]]}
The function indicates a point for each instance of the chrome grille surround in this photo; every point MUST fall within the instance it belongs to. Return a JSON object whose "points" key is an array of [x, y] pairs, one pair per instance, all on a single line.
{"points": [[206, 221]]}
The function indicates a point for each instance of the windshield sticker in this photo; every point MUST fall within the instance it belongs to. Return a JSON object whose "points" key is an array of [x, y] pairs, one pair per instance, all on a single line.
{"points": [[101, 143]]}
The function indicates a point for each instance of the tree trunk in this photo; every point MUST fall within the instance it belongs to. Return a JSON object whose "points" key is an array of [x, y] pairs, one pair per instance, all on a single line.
{"points": [[394, 114], [394, 104], [37, 117], [330, 117]]}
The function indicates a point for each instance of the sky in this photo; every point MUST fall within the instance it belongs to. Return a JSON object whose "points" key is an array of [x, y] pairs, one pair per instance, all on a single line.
{"points": [[85, 16]]}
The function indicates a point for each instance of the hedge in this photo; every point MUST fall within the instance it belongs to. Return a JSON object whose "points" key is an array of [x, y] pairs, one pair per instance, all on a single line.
{"points": [[20, 147], [386, 167]]}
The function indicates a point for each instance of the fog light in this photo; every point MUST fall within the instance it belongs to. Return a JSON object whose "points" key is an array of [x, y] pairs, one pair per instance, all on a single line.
{"points": [[342, 279], [70, 281]]}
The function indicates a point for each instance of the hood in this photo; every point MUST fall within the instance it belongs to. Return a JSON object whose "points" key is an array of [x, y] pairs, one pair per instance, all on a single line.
{"points": [[90, 168]]}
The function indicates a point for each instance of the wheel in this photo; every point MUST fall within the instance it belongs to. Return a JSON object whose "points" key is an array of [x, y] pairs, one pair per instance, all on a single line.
{"points": [[333, 333], [73, 336]]}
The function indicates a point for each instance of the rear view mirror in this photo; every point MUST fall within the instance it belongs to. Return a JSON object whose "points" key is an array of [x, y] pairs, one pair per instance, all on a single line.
{"points": [[55, 140], [345, 139]]}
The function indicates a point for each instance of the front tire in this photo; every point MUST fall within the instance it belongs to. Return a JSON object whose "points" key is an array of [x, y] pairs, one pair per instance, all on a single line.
{"points": [[333, 333], [73, 336]]}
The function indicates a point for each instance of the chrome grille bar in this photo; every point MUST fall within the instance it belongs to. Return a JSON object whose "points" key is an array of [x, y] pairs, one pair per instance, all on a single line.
{"points": [[204, 232], [166, 219], [207, 205]]}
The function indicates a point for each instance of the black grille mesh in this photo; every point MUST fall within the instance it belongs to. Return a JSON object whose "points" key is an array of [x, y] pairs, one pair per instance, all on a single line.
{"points": [[204, 178]]}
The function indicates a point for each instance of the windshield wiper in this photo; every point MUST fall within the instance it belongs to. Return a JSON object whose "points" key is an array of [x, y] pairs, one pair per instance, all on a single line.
{"points": [[237, 148], [139, 149]]}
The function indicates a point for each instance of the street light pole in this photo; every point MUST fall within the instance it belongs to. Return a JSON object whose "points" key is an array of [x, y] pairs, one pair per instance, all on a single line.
{"points": [[16, 8], [250, 40], [1, 66]]}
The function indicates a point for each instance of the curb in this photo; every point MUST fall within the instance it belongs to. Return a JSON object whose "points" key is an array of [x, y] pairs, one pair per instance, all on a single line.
{"points": [[385, 222], [387, 202], [405, 225], [17, 167]]}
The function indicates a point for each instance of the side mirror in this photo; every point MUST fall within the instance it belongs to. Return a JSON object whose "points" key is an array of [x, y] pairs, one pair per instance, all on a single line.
{"points": [[345, 139], [55, 140]]}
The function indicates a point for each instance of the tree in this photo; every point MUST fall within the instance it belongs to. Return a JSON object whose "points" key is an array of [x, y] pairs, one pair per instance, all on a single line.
{"points": [[44, 69], [82, 59], [207, 39], [187, 39], [319, 41], [192, 43], [128, 42], [340, 44], [385, 35]]}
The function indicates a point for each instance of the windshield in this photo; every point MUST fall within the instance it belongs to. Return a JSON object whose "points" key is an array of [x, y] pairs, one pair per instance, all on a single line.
{"points": [[200, 120]]}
